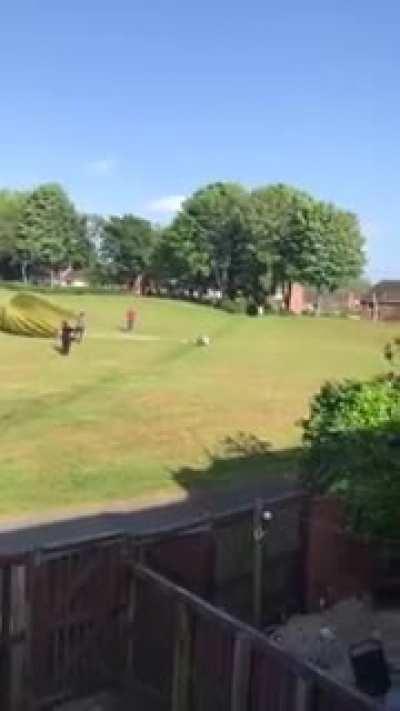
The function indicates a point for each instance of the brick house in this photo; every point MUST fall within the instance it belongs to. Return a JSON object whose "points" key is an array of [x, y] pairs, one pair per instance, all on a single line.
{"points": [[382, 301], [300, 299]]}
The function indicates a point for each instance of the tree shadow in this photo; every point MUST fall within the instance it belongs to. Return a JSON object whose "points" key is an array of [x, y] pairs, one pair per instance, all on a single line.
{"points": [[242, 468], [241, 460]]}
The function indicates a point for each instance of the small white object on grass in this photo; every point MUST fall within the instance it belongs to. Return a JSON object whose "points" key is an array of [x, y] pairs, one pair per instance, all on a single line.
{"points": [[203, 341]]}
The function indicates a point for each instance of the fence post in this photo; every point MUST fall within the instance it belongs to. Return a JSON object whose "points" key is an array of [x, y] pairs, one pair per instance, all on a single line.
{"points": [[132, 604], [182, 660], [259, 533], [261, 521], [240, 673], [18, 642], [33, 564], [6, 638]]}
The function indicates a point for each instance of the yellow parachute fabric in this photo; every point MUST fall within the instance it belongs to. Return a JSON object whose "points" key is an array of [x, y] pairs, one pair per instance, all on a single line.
{"points": [[29, 315]]}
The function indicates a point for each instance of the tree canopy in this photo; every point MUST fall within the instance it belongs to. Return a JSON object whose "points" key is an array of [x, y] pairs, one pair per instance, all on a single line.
{"points": [[225, 236], [210, 239], [11, 206], [127, 246], [252, 242], [313, 242], [50, 232]]}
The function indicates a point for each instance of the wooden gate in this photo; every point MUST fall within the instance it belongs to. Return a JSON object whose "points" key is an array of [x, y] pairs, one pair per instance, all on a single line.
{"points": [[79, 619]]}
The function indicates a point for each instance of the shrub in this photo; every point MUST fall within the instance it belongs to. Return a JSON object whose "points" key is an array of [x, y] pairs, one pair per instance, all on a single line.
{"points": [[252, 308], [234, 306], [349, 438]]}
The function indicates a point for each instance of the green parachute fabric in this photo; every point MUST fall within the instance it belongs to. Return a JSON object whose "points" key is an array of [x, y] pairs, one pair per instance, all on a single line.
{"points": [[29, 315]]}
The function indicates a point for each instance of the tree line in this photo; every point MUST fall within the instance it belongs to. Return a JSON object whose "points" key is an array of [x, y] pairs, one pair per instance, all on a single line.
{"points": [[224, 237]]}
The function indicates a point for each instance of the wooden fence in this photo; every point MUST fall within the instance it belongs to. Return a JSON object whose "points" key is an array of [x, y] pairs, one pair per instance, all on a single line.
{"points": [[64, 622], [157, 612], [198, 657]]}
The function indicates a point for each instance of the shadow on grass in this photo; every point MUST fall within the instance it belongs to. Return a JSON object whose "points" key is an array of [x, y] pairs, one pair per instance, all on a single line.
{"points": [[241, 460], [242, 469]]}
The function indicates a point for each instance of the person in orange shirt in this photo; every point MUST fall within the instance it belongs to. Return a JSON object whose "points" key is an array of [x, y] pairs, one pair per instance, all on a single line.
{"points": [[130, 319]]}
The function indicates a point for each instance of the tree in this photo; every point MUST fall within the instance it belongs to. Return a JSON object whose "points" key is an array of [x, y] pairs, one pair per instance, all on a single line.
{"points": [[94, 231], [50, 232], [313, 242], [323, 247], [127, 247], [211, 238], [11, 206], [275, 206], [83, 250]]}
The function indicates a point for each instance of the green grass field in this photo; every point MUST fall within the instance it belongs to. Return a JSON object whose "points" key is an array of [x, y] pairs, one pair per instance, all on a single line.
{"points": [[125, 416]]}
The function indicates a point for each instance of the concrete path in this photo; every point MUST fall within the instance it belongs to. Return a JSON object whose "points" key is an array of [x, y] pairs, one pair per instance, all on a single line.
{"points": [[141, 516]]}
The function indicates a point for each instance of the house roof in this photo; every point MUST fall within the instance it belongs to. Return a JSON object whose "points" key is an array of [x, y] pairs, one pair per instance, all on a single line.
{"points": [[386, 291]]}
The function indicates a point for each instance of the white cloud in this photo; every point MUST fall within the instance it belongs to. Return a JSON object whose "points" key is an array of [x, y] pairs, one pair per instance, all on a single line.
{"points": [[102, 167], [167, 205]]}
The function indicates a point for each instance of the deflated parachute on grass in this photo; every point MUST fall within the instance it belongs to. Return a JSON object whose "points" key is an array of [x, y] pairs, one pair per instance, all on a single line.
{"points": [[29, 315]]}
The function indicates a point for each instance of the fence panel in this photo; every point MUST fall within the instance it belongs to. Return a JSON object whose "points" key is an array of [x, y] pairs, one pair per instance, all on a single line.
{"points": [[212, 663], [273, 686], [218, 663], [283, 560], [78, 625], [187, 558], [13, 620], [153, 639]]}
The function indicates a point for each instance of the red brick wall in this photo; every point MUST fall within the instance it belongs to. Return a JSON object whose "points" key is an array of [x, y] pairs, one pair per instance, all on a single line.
{"points": [[296, 305]]}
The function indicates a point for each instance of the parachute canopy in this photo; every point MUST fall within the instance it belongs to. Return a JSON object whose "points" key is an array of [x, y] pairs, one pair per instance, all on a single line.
{"points": [[29, 315]]}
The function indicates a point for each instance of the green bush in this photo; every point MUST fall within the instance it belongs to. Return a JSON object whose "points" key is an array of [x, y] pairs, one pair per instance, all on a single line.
{"points": [[252, 308], [349, 438], [234, 306]]}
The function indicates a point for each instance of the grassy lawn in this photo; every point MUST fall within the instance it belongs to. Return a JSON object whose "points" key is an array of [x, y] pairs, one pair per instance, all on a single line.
{"points": [[124, 416]]}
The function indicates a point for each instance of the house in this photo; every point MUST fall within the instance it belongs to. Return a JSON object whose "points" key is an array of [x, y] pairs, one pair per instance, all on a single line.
{"points": [[382, 301], [303, 299], [72, 277]]}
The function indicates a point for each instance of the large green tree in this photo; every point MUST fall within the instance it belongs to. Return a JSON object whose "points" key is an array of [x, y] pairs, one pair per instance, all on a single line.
{"points": [[310, 241], [275, 206], [212, 238], [51, 234], [127, 247], [323, 247], [11, 206]]}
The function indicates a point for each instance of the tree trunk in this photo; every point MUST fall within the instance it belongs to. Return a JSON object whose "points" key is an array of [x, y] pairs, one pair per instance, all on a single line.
{"points": [[52, 278], [288, 296], [317, 308], [218, 280], [24, 274], [138, 282]]}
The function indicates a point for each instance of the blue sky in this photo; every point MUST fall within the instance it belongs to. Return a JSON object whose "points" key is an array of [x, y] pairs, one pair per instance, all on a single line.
{"points": [[132, 105]]}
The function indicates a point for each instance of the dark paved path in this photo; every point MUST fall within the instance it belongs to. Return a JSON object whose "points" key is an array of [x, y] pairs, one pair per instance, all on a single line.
{"points": [[142, 517]]}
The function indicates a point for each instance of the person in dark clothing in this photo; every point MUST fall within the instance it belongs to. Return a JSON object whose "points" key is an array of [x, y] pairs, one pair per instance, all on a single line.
{"points": [[66, 338]]}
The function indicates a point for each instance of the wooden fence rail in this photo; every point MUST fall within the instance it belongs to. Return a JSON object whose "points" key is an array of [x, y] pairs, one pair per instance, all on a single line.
{"points": [[222, 664]]}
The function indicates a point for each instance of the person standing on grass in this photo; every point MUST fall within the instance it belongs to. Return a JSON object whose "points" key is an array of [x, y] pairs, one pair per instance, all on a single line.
{"points": [[130, 319], [80, 327], [66, 338]]}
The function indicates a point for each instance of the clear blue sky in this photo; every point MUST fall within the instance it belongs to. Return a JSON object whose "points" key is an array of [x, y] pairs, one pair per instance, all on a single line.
{"points": [[132, 104]]}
